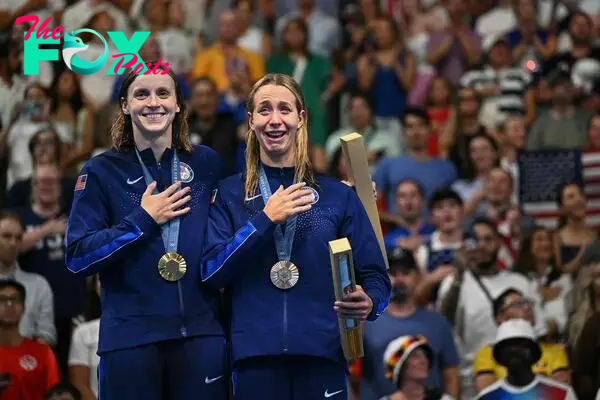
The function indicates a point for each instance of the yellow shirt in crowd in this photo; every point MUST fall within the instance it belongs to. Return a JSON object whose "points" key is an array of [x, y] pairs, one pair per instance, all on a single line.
{"points": [[211, 63], [554, 358]]}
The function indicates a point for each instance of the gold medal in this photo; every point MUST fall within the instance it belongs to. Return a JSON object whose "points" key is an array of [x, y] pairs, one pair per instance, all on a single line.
{"points": [[172, 267], [284, 275]]}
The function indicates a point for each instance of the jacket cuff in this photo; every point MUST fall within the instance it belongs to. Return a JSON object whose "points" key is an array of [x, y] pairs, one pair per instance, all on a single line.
{"points": [[262, 223], [379, 304], [142, 220]]}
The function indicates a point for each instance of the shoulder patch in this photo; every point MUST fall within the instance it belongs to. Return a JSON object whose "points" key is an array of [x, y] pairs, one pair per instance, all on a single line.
{"points": [[213, 196], [186, 172], [81, 182]]}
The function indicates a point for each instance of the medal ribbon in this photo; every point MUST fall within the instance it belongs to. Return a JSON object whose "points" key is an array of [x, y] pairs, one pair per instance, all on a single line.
{"points": [[283, 241], [170, 229]]}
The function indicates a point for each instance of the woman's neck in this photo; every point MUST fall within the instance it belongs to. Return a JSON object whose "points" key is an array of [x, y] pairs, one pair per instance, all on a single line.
{"points": [[10, 336], [483, 173], [46, 210], [412, 390], [510, 154], [158, 144], [449, 237], [285, 160], [470, 125], [576, 224], [7, 267], [540, 268]]}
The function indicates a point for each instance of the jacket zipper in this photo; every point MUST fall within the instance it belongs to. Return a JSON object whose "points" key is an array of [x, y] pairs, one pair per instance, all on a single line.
{"points": [[183, 328]]}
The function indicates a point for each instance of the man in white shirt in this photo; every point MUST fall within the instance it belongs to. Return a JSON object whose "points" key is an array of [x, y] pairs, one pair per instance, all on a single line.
{"points": [[466, 297]]}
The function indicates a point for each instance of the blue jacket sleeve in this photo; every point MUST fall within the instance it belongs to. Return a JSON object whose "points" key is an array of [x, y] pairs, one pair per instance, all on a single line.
{"points": [[92, 243], [228, 252], [370, 268]]}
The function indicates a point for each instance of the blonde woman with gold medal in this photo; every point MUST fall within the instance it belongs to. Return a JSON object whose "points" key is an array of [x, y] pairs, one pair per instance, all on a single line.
{"points": [[267, 245], [138, 217]]}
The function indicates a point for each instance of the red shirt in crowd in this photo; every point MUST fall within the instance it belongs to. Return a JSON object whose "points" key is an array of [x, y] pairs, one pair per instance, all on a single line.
{"points": [[32, 368]]}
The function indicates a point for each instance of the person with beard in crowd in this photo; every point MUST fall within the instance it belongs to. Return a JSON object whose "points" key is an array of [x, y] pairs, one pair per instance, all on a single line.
{"points": [[516, 348], [466, 296], [404, 317], [408, 361]]}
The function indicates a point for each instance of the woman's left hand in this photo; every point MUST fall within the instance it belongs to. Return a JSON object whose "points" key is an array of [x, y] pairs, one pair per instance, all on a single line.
{"points": [[356, 305]]}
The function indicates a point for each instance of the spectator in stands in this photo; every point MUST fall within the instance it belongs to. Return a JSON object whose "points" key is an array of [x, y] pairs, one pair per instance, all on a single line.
{"points": [[324, 31], [494, 202], [564, 125], [338, 167], [44, 147], [387, 74], [29, 365], [251, 36], [573, 235], [537, 262], [37, 321], [12, 81], [42, 251], [531, 45], [439, 103], [408, 361], [516, 347], [405, 317], [436, 256], [414, 164], [505, 90], [69, 110], [455, 49], [213, 124], [483, 153], [358, 20], [32, 115], [378, 142], [63, 391], [593, 132], [176, 46], [83, 357], [466, 297], [412, 228], [311, 71], [462, 126], [513, 136], [227, 64], [554, 362]]}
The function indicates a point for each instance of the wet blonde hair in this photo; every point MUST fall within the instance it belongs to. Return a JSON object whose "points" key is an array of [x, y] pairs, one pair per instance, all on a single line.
{"points": [[302, 164], [583, 296], [121, 131]]}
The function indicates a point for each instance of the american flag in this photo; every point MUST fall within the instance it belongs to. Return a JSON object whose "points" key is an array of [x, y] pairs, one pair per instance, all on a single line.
{"points": [[542, 173]]}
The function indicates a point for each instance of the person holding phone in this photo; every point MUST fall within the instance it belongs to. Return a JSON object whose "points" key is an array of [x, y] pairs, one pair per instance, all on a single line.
{"points": [[267, 245]]}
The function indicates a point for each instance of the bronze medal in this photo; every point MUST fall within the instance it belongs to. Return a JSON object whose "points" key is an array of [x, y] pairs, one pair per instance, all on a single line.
{"points": [[172, 267], [284, 275]]}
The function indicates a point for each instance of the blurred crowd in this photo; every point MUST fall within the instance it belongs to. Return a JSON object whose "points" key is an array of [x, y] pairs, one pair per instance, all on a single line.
{"points": [[447, 95]]}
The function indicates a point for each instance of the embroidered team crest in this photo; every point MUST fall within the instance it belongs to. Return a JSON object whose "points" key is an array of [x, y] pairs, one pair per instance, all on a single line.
{"points": [[187, 174], [213, 196], [314, 194], [28, 363], [81, 181]]}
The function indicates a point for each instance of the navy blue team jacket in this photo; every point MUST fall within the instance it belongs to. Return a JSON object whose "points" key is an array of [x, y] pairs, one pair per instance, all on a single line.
{"points": [[240, 251], [109, 232]]}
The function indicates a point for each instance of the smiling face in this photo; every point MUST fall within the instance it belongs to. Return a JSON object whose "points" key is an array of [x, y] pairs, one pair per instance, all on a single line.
{"points": [[275, 121], [152, 104]]}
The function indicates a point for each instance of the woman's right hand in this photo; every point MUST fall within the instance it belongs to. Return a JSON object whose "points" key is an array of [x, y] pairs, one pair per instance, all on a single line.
{"points": [[166, 205], [285, 203]]}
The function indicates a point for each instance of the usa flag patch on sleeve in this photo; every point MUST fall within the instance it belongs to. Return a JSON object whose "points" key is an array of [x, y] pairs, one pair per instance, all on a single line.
{"points": [[213, 196], [81, 181]]}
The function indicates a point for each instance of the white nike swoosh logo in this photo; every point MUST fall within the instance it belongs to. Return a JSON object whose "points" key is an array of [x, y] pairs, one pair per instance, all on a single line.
{"points": [[252, 198], [131, 182], [208, 380], [328, 395]]}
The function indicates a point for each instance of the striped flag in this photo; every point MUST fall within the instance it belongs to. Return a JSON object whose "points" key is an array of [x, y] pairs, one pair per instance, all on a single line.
{"points": [[541, 175]]}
